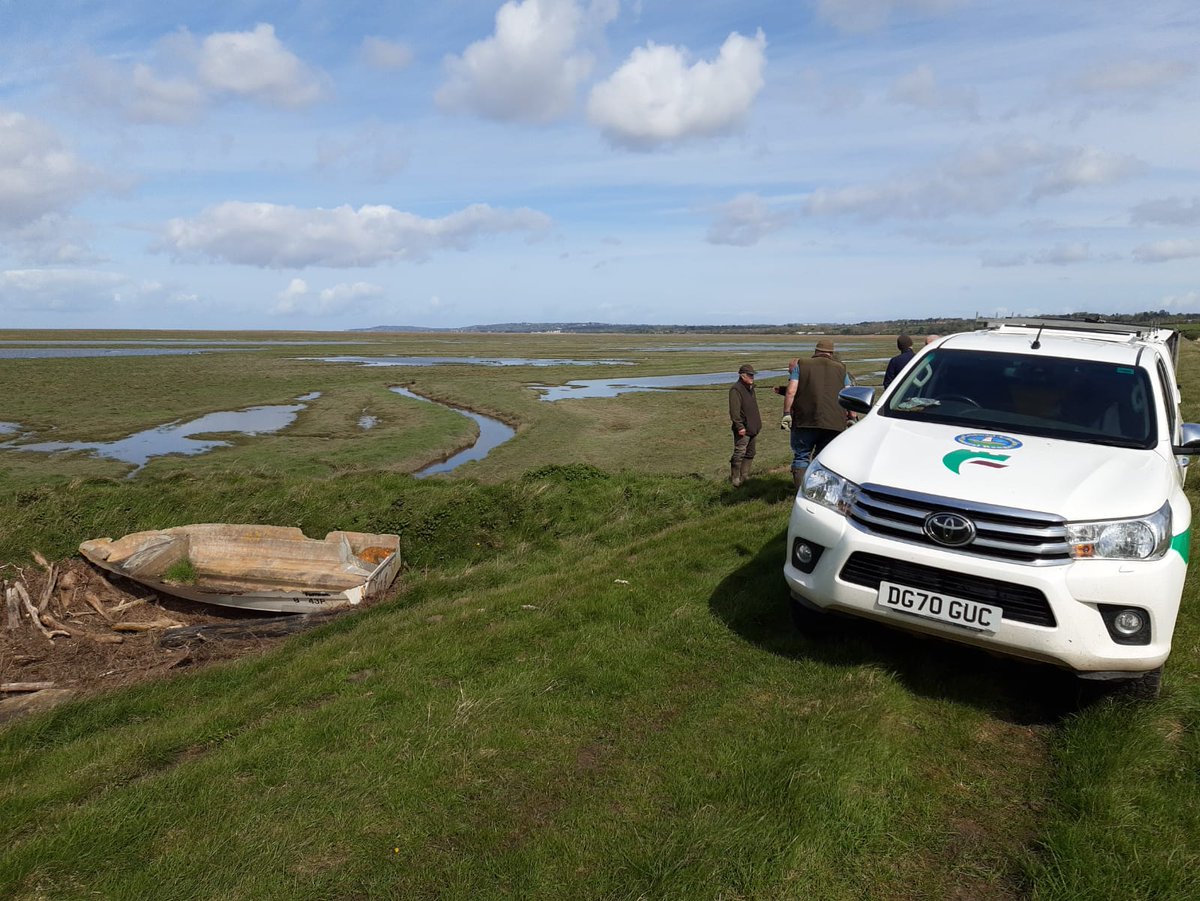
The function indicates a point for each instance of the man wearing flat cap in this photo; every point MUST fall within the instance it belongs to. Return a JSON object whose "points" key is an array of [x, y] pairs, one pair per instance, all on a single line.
{"points": [[746, 422], [810, 406]]}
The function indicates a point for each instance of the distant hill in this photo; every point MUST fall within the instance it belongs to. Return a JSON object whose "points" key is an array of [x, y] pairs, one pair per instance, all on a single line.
{"points": [[939, 326], [532, 328]]}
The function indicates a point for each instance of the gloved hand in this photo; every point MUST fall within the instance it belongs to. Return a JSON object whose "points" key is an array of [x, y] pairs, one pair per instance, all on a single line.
{"points": [[786, 422]]}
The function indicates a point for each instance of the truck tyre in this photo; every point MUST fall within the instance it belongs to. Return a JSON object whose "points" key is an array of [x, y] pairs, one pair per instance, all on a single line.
{"points": [[1143, 687], [1146, 687]]}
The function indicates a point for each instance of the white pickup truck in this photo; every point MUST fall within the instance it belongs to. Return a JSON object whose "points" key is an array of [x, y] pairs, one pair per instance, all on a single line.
{"points": [[1018, 488]]}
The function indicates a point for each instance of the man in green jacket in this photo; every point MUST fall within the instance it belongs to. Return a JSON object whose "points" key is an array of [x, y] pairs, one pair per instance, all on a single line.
{"points": [[810, 406], [746, 423]]}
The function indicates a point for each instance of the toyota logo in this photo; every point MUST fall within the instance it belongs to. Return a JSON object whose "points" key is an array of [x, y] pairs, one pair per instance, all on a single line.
{"points": [[949, 529]]}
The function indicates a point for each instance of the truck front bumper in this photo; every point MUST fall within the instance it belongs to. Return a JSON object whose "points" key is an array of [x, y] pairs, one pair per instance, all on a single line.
{"points": [[1074, 634]]}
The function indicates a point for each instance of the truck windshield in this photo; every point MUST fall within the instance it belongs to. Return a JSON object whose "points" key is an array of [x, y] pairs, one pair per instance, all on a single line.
{"points": [[1074, 400]]}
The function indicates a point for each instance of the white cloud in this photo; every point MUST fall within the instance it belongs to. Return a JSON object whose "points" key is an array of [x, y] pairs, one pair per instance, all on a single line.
{"points": [[376, 151], [66, 290], [656, 98], [870, 15], [139, 94], [1003, 260], [38, 175], [1064, 254], [1187, 301], [185, 77], [380, 53], [920, 89], [746, 220], [255, 64], [816, 89], [1127, 85], [982, 180], [297, 299], [1133, 77], [52, 239], [156, 99], [1084, 167], [1165, 251], [1167, 211], [272, 236], [530, 69]]}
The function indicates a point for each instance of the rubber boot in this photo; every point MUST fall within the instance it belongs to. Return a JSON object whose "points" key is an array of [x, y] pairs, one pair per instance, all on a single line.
{"points": [[798, 476], [735, 474], [747, 464]]}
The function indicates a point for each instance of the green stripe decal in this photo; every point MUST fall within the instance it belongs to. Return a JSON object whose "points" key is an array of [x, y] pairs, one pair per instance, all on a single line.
{"points": [[955, 459], [1182, 543]]}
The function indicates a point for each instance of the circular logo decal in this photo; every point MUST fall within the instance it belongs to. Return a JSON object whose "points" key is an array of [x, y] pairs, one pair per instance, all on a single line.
{"points": [[990, 442]]}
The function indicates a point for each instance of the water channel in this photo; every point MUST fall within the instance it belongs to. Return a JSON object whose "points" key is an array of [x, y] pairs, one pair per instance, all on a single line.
{"points": [[492, 433]]}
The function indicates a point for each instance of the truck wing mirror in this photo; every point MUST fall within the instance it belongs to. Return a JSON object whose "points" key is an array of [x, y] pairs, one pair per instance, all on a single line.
{"points": [[1190, 439], [858, 399]]}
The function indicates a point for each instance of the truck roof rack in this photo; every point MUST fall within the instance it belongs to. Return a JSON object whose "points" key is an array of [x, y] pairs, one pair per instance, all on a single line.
{"points": [[1167, 337], [1137, 329]]}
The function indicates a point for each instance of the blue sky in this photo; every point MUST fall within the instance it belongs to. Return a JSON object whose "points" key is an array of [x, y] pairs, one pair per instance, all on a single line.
{"points": [[331, 164]]}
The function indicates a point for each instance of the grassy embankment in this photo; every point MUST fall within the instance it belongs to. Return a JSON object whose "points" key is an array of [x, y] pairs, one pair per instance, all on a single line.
{"points": [[587, 687]]}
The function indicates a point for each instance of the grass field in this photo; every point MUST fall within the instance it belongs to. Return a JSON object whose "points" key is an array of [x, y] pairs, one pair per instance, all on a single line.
{"points": [[586, 685]]}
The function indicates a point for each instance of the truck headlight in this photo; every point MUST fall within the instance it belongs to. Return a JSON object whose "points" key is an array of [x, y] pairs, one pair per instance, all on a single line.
{"points": [[1144, 538], [827, 488]]}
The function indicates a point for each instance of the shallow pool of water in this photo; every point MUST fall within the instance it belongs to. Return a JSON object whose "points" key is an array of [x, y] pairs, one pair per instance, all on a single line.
{"points": [[802, 347], [11, 349], [466, 361], [177, 438], [580, 388], [47, 353]]}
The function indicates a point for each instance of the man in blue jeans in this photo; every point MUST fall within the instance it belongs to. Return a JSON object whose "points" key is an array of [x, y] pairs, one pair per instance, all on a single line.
{"points": [[810, 406]]}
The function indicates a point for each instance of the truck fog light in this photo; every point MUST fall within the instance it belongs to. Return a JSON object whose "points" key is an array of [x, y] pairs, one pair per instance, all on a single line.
{"points": [[805, 555], [1128, 622], [1126, 625]]}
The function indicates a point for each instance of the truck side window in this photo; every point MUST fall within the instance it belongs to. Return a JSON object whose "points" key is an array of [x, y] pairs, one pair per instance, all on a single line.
{"points": [[1168, 398]]}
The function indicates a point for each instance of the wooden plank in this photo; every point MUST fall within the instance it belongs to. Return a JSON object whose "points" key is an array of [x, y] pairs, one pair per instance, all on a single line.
{"points": [[24, 686], [12, 603]]}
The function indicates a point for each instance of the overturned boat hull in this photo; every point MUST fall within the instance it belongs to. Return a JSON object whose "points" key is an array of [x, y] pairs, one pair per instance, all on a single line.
{"points": [[273, 569]]}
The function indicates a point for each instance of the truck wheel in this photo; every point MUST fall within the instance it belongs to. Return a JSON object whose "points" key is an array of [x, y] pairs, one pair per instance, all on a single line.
{"points": [[1145, 687]]}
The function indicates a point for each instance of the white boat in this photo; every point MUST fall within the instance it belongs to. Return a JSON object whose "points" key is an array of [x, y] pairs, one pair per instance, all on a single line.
{"points": [[274, 569]]}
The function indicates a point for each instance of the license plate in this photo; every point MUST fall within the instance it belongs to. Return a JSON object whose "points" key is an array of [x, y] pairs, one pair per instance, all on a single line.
{"points": [[942, 607]]}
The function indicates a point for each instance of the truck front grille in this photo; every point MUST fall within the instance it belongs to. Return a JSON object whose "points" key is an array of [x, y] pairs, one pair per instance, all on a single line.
{"points": [[1003, 533], [1019, 602]]}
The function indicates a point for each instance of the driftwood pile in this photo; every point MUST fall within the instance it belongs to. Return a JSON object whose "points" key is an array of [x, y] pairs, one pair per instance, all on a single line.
{"points": [[68, 631], [65, 598], [55, 603]]}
